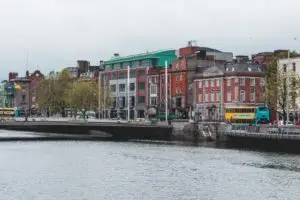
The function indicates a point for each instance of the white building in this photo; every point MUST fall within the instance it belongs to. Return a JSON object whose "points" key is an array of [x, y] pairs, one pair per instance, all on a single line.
{"points": [[291, 64]]}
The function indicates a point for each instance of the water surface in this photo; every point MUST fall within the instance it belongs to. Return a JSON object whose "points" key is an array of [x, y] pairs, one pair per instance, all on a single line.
{"points": [[140, 170]]}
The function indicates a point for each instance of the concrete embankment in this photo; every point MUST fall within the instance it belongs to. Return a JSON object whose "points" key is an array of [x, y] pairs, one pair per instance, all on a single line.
{"points": [[201, 131], [113, 130]]}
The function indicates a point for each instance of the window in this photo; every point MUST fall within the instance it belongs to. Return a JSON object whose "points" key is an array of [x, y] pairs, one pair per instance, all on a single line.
{"points": [[252, 82], [113, 88], [177, 77], [141, 86], [132, 74], [236, 93], [218, 96], [122, 76], [177, 66], [153, 101], [212, 97], [117, 66], [252, 96], [200, 84], [121, 87], [212, 83], [229, 95], [125, 65], [132, 86], [153, 89], [104, 77], [181, 75], [132, 101], [206, 83], [236, 80], [228, 82], [123, 102], [242, 81], [242, 95], [294, 67], [206, 95], [218, 82], [141, 99], [33, 99], [200, 97], [177, 90], [145, 63], [136, 63], [23, 98], [141, 73], [284, 68], [114, 76]]}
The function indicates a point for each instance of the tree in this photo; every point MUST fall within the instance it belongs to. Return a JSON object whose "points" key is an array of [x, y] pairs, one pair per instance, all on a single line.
{"points": [[282, 85], [83, 96], [51, 91]]}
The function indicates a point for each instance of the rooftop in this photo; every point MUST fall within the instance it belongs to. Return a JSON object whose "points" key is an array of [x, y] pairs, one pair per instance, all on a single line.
{"points": [[142, 56]]}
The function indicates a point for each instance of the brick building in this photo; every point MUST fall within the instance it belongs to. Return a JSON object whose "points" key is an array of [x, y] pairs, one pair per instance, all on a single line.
{"points": [[34, 79], [114, 77], [226, 85], [190, 60]]}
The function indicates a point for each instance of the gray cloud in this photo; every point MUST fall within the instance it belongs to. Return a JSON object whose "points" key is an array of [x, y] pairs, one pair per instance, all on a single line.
{"points": [[58, 32]]}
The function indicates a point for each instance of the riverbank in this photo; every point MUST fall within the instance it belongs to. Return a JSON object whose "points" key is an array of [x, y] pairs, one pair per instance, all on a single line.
{"points": [[117, 131]]}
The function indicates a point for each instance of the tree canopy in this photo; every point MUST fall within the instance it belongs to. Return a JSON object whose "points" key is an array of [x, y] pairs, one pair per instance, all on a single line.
{"points": [[60, 92]]}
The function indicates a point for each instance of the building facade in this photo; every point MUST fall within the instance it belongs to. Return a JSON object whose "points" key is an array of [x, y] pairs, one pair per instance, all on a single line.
{"points": [[190, 60], [227, 85], [114, 77], [291, 66], [34, 80]]}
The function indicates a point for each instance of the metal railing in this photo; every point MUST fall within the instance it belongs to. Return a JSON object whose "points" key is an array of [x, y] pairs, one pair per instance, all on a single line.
{"points": [[283, 130]]}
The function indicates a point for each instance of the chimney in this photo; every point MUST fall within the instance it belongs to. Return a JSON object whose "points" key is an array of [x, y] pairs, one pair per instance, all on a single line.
{"points": [[116, 54]]}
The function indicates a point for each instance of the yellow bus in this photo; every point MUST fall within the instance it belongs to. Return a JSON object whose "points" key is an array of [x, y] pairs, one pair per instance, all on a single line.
{"points": [[7, 113], [240, 114]]}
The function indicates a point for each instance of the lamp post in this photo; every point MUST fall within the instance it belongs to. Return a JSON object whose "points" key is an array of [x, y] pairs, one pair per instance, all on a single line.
{"points": [[99, 94]]}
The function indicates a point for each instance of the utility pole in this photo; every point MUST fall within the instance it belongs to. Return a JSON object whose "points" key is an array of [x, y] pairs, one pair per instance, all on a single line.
{"points": [[128, 93], [166, 88], [287, 89], [99, 94]]}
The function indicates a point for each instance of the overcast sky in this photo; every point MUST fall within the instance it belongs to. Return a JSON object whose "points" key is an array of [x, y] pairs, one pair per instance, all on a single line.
{"points": [[56, 33]]}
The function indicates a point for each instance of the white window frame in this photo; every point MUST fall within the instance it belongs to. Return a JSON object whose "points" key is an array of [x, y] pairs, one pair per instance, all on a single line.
{"points": [[200, 84], [236, 93], [229, 95], [242, 95], [242, 81], [200, 96], [252, 96], [252, 81], [228, 82], [212, 97], [218, 96], [153, 88], [218, 82], [206, 83]]}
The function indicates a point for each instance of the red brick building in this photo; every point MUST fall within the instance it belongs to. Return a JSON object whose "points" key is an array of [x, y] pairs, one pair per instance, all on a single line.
{"points": [[227, 85], [34, 80]]}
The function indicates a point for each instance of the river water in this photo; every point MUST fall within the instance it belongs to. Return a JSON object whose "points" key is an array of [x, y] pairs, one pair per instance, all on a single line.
{"points": [[141, 170]]}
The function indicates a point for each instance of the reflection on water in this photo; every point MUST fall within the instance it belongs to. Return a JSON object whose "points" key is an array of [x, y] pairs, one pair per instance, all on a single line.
{"points": [[141, 170]]}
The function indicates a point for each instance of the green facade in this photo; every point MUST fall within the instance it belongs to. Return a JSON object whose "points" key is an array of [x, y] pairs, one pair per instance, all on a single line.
{"points": [[150, 59]]}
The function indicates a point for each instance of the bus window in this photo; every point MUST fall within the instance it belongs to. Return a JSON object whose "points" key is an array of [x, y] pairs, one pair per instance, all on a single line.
{"points": [[262, 108]]}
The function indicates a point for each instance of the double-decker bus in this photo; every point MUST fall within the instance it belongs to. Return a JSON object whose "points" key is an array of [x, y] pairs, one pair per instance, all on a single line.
{"points": [[247, 114], [262, 115], [7, 113], [240, 114]]}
